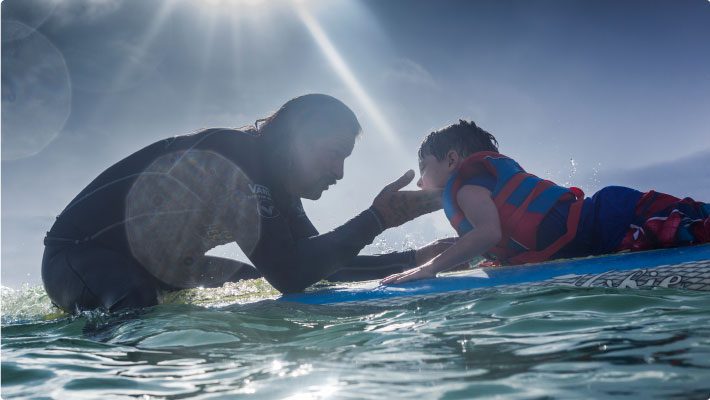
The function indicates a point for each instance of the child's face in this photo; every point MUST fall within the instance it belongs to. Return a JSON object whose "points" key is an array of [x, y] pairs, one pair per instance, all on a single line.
{"points": [[435, 173]]}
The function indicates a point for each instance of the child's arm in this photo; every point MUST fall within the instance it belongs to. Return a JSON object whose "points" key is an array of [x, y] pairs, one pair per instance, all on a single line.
{"points": [[478, 207]]}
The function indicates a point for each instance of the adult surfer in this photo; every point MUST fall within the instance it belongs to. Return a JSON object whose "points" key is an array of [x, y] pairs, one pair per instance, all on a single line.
{"points": [[145, 223]]}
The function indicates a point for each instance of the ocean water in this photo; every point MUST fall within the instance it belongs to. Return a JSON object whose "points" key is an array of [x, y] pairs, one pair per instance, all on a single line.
{"points": [[239, 342]]}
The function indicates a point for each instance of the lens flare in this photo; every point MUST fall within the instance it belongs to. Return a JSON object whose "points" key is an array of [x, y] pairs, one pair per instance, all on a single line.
{"points": [[36, 91], [184, 204]]}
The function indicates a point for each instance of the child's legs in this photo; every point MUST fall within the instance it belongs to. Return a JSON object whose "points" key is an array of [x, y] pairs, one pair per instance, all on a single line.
{"points": [[662, 220], [614, 211], [605, 219]]}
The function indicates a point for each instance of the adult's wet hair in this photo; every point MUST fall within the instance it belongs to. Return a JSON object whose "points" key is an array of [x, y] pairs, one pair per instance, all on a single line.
{"points": [[465, 137], [308, 117]]}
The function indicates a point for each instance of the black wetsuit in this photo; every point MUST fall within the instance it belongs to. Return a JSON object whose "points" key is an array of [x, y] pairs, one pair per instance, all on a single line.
{"points": [[146, 223]]}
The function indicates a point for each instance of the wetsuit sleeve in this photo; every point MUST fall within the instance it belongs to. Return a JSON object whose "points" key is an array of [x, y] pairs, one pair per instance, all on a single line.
{"points": [[293, 263], [401, 259], [385, 263], [363, 268], [357, 268]]}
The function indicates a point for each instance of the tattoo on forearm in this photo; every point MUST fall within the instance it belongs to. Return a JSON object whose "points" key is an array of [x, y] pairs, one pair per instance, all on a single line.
{"points": [[403, 207]]}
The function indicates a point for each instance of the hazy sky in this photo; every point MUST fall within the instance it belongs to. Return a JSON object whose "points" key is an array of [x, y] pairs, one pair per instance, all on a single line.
{"points": [[589, 93]]}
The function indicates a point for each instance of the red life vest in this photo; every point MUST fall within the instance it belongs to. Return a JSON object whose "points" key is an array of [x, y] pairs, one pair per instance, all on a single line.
{"points": [[522, 200]]}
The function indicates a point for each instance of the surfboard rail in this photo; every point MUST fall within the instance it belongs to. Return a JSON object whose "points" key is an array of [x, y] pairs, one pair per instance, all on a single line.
{"points": [[685, 268]]}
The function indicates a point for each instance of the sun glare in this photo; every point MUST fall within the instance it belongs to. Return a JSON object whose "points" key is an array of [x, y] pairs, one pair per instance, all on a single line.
{"points": [[345, 73], [249, 21]]}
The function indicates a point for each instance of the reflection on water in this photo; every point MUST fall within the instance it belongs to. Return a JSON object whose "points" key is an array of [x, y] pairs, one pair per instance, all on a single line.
{"points": [[534, 343]]}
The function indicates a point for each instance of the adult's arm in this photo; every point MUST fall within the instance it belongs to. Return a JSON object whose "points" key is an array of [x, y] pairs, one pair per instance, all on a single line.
{"points": [[289, 259], [360, 267], [404, 259], [293, 263], [381, 265]]}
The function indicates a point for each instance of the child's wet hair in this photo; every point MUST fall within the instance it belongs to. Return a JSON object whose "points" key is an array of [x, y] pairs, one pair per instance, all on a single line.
{"points": [[465, 137]]}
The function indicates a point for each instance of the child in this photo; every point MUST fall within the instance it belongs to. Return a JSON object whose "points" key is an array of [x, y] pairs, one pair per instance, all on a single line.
{"points": [[520, 218]]}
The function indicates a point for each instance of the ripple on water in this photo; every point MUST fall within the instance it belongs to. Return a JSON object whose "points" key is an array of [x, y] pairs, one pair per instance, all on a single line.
{"points": [[531, 343]]}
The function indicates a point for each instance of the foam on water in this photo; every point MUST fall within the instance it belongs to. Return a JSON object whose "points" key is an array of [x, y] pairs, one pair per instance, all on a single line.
{"points": [[31, 303], [245, 291]]}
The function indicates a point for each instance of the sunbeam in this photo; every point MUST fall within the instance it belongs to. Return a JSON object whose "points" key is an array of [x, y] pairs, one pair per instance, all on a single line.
{"points": [[344, 72], [145, 44], [201, 78], [136, 58]]}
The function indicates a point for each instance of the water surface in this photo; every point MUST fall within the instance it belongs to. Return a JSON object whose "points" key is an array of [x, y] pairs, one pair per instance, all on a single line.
{"points": [[237, 341]]}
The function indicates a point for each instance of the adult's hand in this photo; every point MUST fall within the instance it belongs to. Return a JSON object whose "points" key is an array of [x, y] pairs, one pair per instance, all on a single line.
{"points": [[414, 274], [397, 206]]}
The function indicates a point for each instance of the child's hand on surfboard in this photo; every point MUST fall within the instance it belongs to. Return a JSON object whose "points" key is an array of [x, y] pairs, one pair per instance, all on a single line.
{"points": [[397, 206]]}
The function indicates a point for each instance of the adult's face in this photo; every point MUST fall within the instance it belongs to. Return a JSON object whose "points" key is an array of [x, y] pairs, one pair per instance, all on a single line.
{"points": [[319, 163]]}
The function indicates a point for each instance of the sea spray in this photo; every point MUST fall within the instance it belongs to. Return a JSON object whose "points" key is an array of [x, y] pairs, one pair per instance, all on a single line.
{"points": [[28, 303]]}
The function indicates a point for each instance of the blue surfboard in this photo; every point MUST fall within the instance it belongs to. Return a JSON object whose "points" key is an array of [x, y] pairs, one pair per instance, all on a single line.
{"points": [[685, 268]]}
